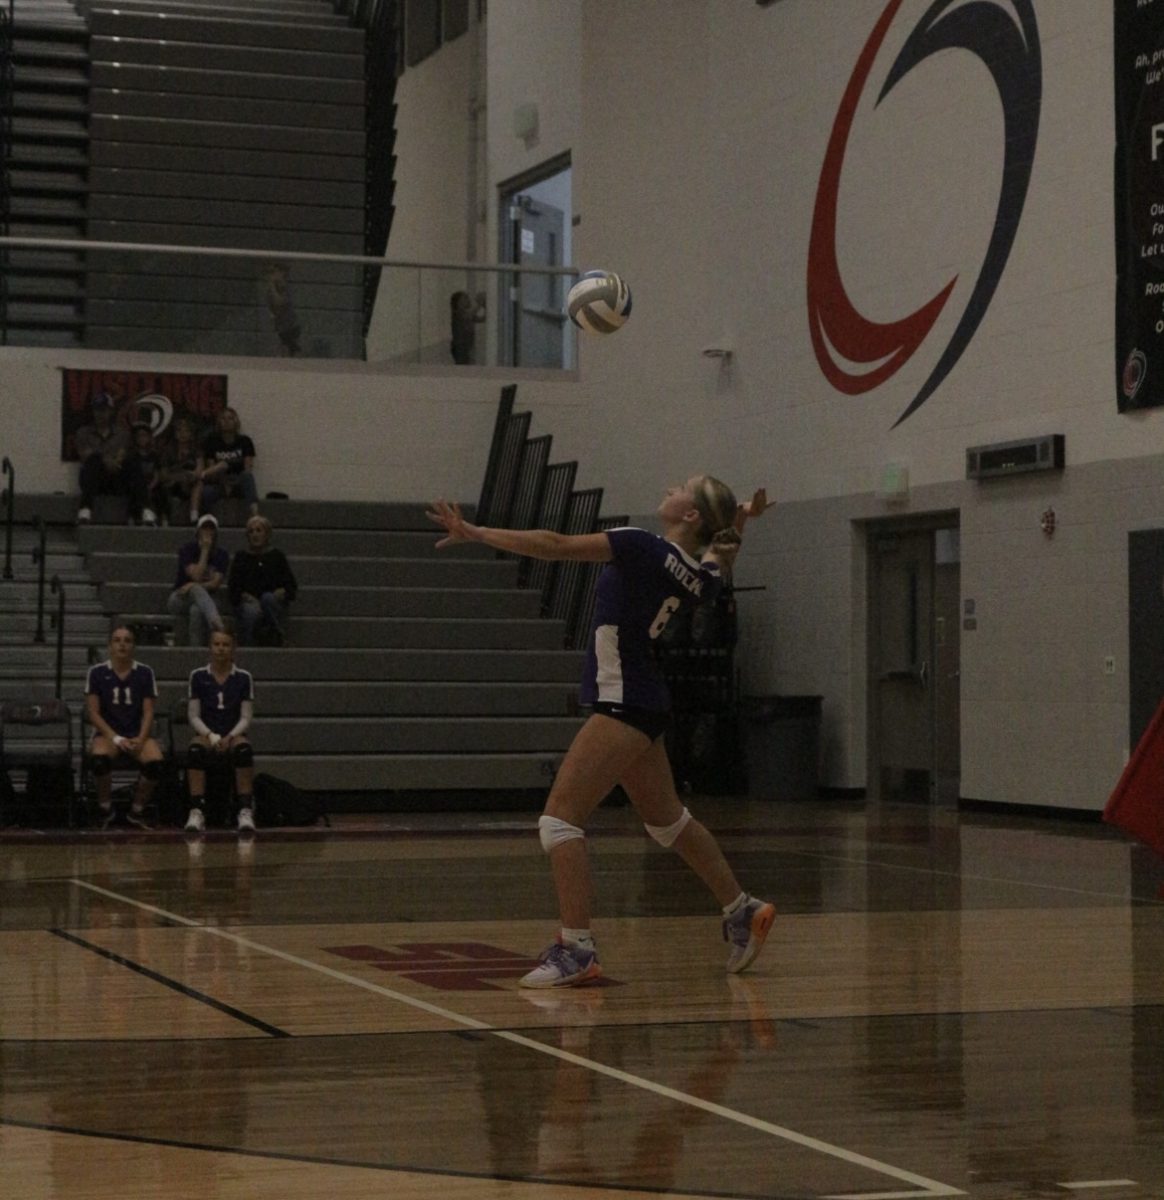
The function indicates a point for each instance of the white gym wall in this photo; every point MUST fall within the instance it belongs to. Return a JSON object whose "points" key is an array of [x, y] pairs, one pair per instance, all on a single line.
{"points": [[696, 175], [697, 130]]}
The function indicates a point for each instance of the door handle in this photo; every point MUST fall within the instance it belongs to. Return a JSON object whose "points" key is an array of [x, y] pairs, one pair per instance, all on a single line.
{"points": [[919, 674]]}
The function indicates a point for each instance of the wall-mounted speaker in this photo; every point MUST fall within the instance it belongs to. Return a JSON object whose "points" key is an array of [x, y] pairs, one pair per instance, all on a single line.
{"points": [[1045, 453]]}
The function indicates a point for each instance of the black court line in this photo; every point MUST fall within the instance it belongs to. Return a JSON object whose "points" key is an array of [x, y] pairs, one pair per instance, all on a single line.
{"points": [[165, 981], [282, 1156]]}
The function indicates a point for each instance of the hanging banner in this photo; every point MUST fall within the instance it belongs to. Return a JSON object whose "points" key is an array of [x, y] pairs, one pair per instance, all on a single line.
{"points": [[158, 400], [1139, 203]]}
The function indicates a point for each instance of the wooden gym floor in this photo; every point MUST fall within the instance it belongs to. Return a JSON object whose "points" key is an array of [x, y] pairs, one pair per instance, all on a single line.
{"points": [[949, 1004]]}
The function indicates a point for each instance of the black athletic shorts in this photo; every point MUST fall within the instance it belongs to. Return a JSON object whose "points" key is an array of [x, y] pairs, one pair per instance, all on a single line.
{"points": [[654, 724]]}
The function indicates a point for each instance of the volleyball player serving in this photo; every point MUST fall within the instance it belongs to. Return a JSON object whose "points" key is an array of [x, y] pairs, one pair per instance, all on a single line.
{"points": [[647, 579]]}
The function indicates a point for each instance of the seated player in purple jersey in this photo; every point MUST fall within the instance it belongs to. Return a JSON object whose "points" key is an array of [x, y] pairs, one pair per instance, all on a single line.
{"points": [[220, 706], [119, 702], [646, 580]]}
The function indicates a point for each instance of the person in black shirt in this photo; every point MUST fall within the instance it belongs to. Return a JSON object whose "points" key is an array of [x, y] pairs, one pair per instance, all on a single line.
{"points": [[226, 465], [261, 586]]}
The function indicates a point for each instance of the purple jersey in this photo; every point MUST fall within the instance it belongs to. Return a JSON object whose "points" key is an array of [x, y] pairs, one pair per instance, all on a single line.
{"points": [[121, 700], [637, 593], [190, 553], [220, 704]]}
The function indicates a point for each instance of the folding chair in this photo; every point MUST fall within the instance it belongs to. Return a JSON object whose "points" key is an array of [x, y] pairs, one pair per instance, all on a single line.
{"points": [[36, 742]]}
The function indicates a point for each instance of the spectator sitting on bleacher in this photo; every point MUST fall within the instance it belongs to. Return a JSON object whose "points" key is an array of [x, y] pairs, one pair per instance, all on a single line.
{"points": [[143, 475], [226, 464], [103, 447], [261, 586], [180, 485], [119, 702], [219, 707], [202, 568]]}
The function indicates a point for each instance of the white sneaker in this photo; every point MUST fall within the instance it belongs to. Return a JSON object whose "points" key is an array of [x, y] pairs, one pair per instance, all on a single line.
{"points": [[196, 821], [745, 931], [148, 516], [246, 821], [563, 966], [84, 516]]}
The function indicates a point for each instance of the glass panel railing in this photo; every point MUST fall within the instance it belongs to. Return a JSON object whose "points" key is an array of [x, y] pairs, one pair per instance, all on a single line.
{"points": [[259, 303]]}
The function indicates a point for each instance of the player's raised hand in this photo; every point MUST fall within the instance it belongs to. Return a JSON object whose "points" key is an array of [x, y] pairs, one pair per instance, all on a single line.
{"points": [[751, 508], [448, 517]]}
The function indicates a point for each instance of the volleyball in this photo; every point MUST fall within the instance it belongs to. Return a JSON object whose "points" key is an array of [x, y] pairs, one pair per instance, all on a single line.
{"points": [[599, 302]]}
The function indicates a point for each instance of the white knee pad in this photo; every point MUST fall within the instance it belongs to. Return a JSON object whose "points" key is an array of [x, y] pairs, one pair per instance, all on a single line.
{"points": [[554, 831], [665, 835]]}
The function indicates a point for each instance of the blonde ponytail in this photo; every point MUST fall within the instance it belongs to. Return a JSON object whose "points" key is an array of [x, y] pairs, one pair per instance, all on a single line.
{"points": [[716, 504]]}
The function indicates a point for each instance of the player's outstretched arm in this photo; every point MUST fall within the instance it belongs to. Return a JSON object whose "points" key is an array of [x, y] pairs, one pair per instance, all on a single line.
{"points": [[533, 543]]}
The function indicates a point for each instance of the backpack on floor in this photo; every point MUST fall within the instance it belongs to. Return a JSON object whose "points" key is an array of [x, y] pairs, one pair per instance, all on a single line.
{"points": [[279, 802], [48, 794], [7, 799]]}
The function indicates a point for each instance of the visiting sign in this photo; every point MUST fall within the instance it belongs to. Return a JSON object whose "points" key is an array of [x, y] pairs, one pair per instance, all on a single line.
{"points": [[153, 398]]}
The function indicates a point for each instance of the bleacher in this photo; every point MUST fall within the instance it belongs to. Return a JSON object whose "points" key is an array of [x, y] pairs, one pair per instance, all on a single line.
{"points": [[255, 125], [407, 668], [413, 677]]}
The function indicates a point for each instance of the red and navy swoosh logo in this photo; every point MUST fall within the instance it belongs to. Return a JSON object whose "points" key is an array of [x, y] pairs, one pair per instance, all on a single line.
{"points": [[841, 334]]}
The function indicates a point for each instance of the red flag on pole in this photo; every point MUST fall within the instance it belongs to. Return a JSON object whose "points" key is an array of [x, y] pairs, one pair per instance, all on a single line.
{"points": [[1137, 804]]}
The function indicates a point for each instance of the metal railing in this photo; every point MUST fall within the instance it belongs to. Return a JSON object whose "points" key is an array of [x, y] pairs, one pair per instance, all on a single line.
{"points": [[9, 513], [59, 621], [39, 558], [413, 320]]}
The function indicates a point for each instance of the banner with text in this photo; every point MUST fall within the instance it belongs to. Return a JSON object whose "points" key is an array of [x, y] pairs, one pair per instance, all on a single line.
{"points": [[156, 399], [1139, 203]]}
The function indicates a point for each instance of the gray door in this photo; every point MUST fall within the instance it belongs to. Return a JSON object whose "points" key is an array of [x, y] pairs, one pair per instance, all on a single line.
{"points": [[538, 301], [947, 671], [901, 649], [914, 664]]}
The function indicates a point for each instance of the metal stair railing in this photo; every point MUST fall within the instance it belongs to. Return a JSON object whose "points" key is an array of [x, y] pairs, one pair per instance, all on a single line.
{"points": [[523, 490], [489, 483], [10, 512], [38, 557], [59, 621], [559, 483], [567, 592], [508, 467]]}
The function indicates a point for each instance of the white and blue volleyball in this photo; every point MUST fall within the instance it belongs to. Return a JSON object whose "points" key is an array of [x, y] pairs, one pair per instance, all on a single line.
{"points": [[599, 302]]}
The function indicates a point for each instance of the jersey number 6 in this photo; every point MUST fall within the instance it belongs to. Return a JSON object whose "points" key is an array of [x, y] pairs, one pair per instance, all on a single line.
{"points": [[670, 605]]}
